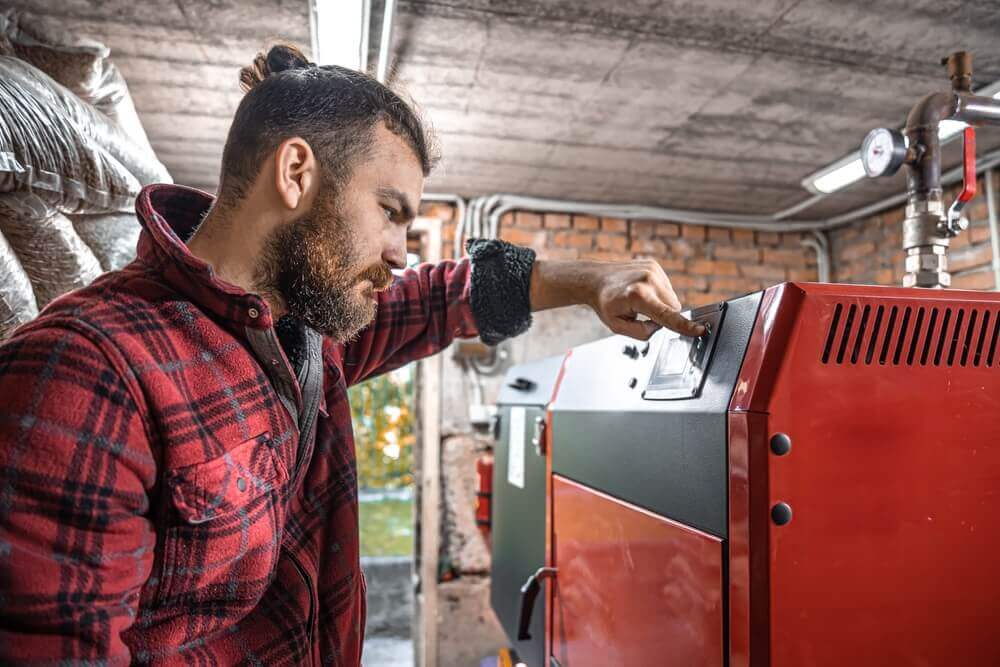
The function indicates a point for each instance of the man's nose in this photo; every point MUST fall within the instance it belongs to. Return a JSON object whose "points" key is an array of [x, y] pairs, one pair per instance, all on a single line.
{"points": [[395, 255]]}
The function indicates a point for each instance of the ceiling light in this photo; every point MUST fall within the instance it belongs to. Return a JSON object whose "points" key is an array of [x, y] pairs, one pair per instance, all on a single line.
{"points": [[340, 32], [836, 176], [849, 169]]}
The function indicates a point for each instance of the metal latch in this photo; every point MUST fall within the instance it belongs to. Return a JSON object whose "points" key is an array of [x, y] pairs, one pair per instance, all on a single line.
{"points": [[538, 439], [529, 591]]}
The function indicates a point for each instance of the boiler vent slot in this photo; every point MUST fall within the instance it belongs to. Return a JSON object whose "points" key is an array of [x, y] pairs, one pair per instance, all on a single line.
{"points": [[900, 335]]}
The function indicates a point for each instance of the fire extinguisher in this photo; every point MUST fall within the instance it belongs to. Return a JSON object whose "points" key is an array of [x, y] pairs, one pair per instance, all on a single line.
{"points": [[484, 496]]}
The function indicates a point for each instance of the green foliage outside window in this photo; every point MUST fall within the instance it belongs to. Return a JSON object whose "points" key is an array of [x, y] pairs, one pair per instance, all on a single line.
{"points": [[382, 410]]}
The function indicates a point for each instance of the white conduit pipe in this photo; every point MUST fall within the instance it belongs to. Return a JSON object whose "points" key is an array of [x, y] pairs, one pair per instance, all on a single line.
{"points": [[821, 245], [991, 208], [773, 223], [495, 206], [460, 214]]}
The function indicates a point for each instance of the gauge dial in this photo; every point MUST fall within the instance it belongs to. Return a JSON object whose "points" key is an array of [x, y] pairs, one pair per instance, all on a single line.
{"points": [[883, 151]]}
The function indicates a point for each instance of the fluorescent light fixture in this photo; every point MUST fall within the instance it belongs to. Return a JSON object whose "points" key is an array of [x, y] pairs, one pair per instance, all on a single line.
{"points": [[340, 32], [836, 176], [849, 169]]}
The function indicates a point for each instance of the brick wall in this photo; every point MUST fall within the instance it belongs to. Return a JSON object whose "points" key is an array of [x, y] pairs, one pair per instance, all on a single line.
{"points": [[705, 264], [709, 264], [870, 250]]}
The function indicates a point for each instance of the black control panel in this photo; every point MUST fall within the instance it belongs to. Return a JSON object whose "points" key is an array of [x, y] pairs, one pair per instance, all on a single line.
{"points": [[647, 422], [682, 363]]}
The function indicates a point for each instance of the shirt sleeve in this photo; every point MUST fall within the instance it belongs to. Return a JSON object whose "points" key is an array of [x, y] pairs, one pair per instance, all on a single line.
{"points": [[75, 466], [429, 306]]}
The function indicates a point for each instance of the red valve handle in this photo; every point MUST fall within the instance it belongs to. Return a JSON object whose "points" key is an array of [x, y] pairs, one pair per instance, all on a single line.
{"points": [[955, 223], [968, 164]]}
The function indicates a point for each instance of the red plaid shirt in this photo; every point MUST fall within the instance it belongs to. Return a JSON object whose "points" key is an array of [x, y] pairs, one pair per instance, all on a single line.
{"points": [[154, 502]]}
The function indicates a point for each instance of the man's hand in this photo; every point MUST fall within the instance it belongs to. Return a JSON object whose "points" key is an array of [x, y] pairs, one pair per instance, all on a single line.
{"points": [[619, 292]]}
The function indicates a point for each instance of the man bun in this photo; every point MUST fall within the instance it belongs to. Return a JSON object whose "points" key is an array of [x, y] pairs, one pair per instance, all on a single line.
{"points": [[279, 58]]}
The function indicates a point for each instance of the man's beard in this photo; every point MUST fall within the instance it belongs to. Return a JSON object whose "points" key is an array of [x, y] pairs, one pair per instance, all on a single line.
{"points": [[311, 265]]}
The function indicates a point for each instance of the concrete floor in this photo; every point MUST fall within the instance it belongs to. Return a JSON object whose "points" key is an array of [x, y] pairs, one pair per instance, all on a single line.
{"points": [[388, 652]]}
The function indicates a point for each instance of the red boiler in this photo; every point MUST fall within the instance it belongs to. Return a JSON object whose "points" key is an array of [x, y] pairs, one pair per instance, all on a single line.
{"points": [[813, 483]]}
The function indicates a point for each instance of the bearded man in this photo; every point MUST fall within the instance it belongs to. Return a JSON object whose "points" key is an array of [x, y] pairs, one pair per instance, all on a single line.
{"points": [[177, 468]]}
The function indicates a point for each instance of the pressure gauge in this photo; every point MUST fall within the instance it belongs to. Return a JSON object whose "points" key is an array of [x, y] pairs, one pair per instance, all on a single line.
{"points": [[883, 152]]}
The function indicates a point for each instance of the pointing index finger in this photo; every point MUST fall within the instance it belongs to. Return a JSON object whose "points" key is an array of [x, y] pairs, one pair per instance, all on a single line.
{"points": [[666, 316]]}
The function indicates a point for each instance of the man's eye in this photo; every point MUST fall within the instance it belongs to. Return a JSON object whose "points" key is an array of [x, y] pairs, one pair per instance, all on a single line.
{"points": [[389, 213]]}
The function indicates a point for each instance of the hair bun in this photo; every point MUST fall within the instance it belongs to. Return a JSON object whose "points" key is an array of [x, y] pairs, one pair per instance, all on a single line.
{"points": [[282, 57], [279, 58]]}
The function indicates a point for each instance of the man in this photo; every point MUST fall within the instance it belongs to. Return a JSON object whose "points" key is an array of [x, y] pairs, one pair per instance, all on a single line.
{"points": [[177, 472]]}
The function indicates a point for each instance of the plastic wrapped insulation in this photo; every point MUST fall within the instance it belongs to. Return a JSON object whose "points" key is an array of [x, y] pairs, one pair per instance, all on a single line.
{"points": [[74, 61], [78, 63], [17, 299], [52, 254], [41, 148], [88, 121], [112, 237], [111, 97]]}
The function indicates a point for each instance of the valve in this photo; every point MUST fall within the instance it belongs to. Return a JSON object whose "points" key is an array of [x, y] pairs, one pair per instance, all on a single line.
{"points": [[956, 222]]}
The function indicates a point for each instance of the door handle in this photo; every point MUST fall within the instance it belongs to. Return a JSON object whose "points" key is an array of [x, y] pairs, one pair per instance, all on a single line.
{"points": [[529, 591]]}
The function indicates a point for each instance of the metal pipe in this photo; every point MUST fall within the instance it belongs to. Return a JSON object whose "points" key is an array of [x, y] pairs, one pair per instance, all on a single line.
{"points": [[975, 109], [384, 41], [954, 175], [472, 230], [494, 224], [927, 230], [507, 202], [991, 208], [924, 173], [460, 212], [798, 208], [821, 246]]}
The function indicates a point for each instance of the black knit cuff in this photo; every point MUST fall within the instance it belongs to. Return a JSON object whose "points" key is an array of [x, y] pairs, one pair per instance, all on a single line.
{"points": [[500, 288]]}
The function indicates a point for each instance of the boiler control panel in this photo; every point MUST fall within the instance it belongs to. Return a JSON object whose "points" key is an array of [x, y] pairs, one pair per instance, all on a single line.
{"points": [[683, 361]]}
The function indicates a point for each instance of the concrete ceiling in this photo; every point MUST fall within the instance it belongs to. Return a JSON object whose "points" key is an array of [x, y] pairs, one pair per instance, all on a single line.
{"points": [[703, 104]]}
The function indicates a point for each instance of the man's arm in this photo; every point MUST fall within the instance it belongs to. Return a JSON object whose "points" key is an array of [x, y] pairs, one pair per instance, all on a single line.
{"points": [[493, 294], [75, 547], [421, 313], [428, 307], [618, 292]]}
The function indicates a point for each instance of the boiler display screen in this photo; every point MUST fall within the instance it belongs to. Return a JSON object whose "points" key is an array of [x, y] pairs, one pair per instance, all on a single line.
{"points": [[682, 363]]}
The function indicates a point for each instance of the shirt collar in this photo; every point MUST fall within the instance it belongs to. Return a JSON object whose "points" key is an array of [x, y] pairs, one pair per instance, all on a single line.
{"points": [[169, 215]]}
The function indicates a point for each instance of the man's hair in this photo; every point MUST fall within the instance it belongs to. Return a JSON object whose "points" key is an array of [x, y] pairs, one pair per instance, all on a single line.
{"points": [[333, 108]]}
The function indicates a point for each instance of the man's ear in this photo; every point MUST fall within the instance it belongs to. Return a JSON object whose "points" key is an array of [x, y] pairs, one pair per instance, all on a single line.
{"points": [[295, 176]]}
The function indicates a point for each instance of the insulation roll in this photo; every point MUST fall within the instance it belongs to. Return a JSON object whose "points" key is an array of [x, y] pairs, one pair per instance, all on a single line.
{"points": [[111, 97], [88, 121], [72, 60], [42, 148], [112, 237], [52, 254], [17, 299]]}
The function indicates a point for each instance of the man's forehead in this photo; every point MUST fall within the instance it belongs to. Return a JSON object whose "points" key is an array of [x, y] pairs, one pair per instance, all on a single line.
{"points": [[394, 166], [390, 146]]}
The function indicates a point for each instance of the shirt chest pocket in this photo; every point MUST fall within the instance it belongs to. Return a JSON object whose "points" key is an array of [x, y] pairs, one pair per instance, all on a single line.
{"points": [[223, 530]]}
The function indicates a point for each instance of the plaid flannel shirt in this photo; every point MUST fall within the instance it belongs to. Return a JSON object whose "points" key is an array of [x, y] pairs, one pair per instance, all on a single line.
{"points": [[155, 505]]}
